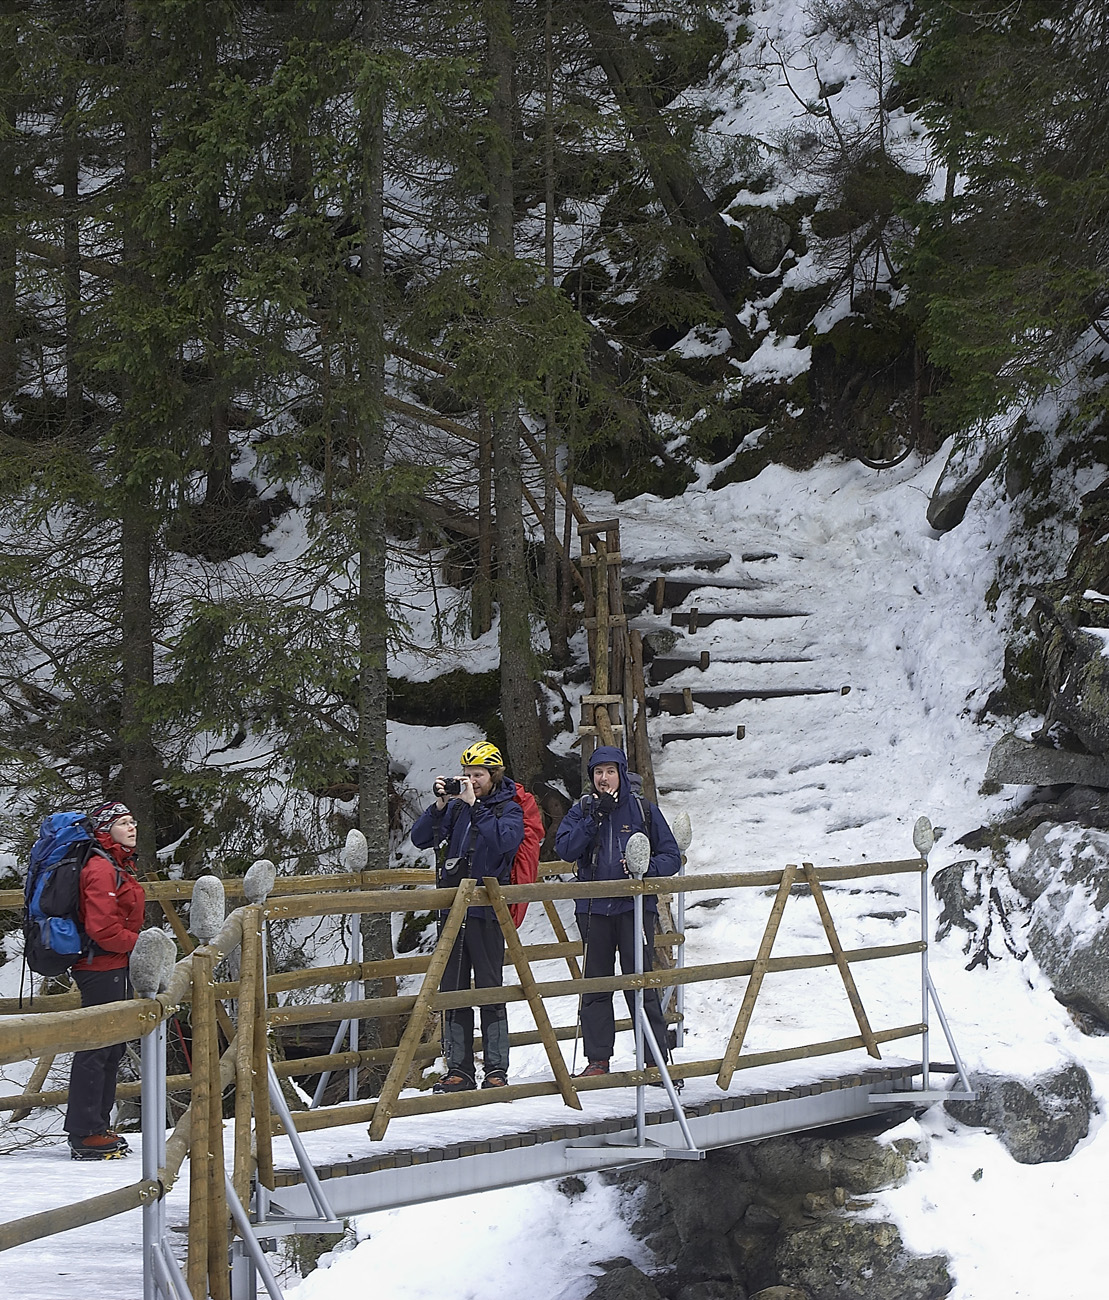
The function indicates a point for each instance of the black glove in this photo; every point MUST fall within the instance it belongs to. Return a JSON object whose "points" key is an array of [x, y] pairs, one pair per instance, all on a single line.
{"points": [[603, 804]]}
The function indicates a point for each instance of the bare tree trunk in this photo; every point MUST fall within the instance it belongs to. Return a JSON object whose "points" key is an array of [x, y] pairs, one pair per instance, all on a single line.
{"points": [[373, 751], [140, 760], [71, 238], [481, 599], [556, 626], [518, 700], [8, 149]]}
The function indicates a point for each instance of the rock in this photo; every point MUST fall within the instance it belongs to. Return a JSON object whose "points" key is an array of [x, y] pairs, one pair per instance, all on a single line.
{"points": [[711, 1290], [1021, 762], [810, 1163], [706, 1255], [966, 470], [627, 1283], [780, 1293], [848, 1259], [961, 891], [767, 237], [703, 1195], [1066, 873], [1081, 701], [1038, 1120]]}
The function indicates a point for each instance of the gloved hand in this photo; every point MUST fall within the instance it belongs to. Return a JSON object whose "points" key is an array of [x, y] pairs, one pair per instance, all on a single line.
{"points": [[603, 804]]}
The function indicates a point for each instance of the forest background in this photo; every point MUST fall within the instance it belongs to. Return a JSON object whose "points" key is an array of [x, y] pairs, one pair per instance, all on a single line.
{"points": [[299, 297]]}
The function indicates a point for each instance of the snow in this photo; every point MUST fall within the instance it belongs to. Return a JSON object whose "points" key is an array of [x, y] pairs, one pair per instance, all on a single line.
{"points": [[887, 607], [897, 612]]}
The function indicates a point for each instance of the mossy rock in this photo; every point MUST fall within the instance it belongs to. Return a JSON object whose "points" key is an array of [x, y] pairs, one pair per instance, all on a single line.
{"points": [[457, 696]]}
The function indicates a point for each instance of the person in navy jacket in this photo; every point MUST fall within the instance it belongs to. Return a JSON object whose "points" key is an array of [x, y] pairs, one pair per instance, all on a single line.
{"points": [[476, 833], [594, 834]]}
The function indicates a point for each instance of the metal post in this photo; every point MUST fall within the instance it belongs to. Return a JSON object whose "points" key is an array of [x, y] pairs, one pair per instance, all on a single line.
{"points": [[640, 1095], [925, 978], [250, 1241], [679, 1028], [307, 1169], [354, 992], [153, 1121]]}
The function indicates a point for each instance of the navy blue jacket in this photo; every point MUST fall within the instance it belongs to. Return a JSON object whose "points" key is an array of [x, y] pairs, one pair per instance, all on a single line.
{"points": [[498, 823], [597, 844]]}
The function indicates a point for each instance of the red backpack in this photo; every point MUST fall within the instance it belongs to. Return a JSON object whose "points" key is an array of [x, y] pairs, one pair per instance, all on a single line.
{"points": [[525, 866]]}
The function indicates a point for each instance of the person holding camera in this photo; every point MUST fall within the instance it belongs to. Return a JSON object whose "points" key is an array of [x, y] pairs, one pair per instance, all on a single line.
{"points": [[475, 826], [594, 834]]}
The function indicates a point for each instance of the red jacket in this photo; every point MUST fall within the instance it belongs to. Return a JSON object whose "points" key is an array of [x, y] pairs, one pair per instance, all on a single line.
{"points": [[112, 905]]}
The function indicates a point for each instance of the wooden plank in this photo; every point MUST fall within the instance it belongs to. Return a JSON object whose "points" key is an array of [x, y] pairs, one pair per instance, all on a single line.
{"points": [[260, 1058], [410, 1040], [18, 1232], [34, 1084], [200, 1139], [754, 983], [562, 937], [534, 998], [700, 617], [677, 702], [244, 1050], [841, 961]]}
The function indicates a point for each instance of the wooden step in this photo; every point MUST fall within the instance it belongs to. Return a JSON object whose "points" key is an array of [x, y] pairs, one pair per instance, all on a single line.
{"points": [[678, 702], [668, 736], [711, 560], [695, 618], [665, 593], [662, 667]]}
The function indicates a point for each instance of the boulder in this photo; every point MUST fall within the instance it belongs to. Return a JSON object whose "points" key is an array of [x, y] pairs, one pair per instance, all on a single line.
{"points": [[961, 891], [1038, 1120], [627, 1283], [803, 1163], [1021, 762], [967, 468], [1081, 700], [780, 1293], [712, 1290], [767, 237], [1066, 873], [849, 1259]]}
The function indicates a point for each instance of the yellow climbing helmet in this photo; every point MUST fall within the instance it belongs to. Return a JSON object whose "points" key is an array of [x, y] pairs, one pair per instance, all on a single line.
{"points": [[483, 754]]}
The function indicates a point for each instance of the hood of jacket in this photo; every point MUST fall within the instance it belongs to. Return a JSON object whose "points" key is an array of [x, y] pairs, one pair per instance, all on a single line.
{"points": [[611, 754]]}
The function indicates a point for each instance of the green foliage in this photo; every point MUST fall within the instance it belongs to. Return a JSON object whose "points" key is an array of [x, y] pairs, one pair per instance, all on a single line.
{"points": [[1011, 264]]}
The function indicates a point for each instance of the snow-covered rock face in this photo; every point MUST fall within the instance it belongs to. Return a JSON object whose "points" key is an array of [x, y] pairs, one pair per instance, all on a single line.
{"points": [[1066, 875], [1038, 1120]]}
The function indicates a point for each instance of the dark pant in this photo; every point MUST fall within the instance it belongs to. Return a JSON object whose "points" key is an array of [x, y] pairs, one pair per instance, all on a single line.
{"points": [[92, 1076], [478, 954], [604, 936]]}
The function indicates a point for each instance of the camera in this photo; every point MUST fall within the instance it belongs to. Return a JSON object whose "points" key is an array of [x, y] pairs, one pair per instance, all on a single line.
{"points": [[452, 785]]}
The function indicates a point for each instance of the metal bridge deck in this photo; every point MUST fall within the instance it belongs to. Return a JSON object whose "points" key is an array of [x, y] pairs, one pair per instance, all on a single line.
{"points": [[410, 1176]]}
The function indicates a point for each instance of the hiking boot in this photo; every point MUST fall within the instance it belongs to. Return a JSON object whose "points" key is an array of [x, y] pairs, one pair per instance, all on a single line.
{"points": [[455, 1081], [495, 1079], [98, 1146], [592, 1069]]}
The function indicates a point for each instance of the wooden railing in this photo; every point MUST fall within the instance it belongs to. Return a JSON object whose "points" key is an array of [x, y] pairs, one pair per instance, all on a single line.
{"points": [[241, 1063]]}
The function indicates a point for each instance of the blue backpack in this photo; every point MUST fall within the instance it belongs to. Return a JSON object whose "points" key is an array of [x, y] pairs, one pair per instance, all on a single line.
{"points": [[53, 937]]}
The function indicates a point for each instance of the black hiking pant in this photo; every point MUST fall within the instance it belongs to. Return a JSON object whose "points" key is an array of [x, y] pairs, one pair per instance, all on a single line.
{"points": [[604, 936], [92, 1076], [478, 955]]}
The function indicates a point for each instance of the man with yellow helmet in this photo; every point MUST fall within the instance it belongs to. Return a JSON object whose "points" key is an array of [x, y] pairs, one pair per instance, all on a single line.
{"points": [[475, 826]]}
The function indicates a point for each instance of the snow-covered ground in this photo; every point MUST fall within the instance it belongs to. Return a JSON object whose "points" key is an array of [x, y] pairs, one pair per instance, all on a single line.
{"points": [[896, 612]]}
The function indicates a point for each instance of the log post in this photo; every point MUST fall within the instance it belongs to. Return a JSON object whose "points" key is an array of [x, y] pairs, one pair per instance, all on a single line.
{"points": [[531, 992], [841, 961], [200, 1141], [244, 1050], [754, 983]]}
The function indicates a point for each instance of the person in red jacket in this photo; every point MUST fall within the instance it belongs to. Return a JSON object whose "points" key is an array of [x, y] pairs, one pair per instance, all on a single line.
{"points": [[111, 910]]}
